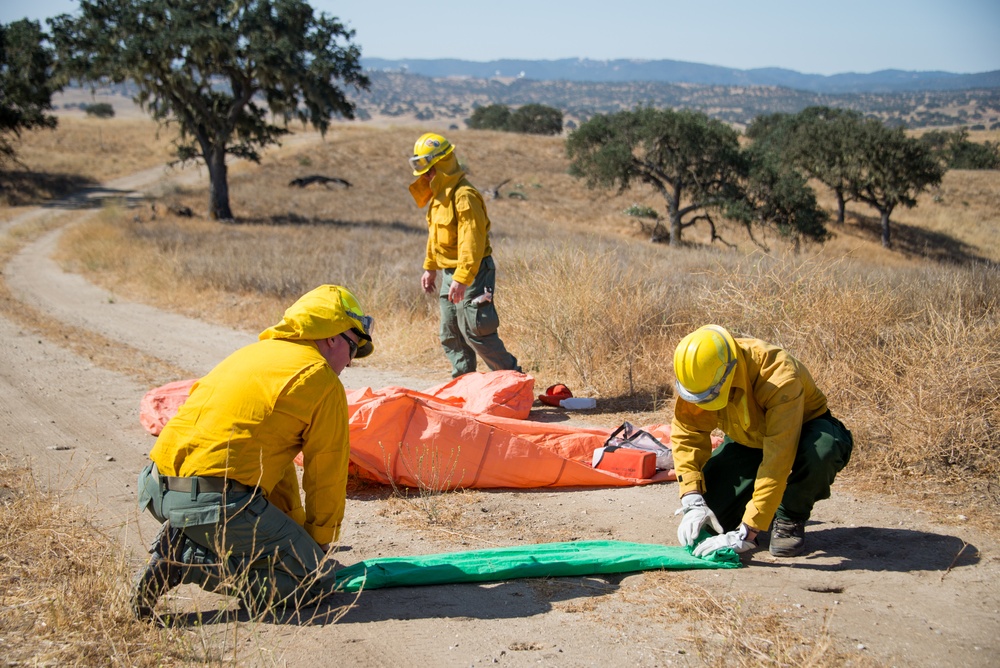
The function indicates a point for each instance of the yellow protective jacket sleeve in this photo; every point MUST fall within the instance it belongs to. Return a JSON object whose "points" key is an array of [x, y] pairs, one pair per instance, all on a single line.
{"points": [[774, 395], [249, 418], [458, 229]]}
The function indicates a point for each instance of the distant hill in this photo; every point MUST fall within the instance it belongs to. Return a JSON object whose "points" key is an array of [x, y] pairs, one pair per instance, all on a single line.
{"points": [[452, 99], [675, 71]]}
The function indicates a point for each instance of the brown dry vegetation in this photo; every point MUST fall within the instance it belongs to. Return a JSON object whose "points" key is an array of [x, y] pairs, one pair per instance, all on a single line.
{"points": [[902, 341], [64, 593]]}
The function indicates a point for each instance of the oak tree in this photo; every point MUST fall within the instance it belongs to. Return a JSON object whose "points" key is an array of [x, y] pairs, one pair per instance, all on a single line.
{"points": [[694, 162], [892, 170], [26, 84], [225, 71]]}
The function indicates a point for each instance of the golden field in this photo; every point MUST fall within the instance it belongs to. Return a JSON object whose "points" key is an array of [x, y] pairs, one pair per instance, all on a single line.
{"points": [[901, 340]]}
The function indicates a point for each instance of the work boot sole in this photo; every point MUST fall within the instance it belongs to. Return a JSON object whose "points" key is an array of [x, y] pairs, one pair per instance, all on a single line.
{"points": [[787, 551]]}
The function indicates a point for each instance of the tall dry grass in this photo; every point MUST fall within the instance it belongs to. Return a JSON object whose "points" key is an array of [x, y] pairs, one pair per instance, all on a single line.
{"points": [[902, 341], [64, 588], [65, 596]]}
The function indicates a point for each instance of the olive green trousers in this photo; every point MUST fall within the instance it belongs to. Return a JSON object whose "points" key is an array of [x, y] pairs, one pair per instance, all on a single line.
{"points": [[267, 558], [469, 329], [825, 447]]}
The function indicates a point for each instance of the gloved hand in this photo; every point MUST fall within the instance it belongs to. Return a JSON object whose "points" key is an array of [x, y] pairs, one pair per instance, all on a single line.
{"points": [[696, 515], [737, 540]]}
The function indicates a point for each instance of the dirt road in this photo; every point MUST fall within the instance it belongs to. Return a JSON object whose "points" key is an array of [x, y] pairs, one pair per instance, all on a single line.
{"points": [[891, 585]]}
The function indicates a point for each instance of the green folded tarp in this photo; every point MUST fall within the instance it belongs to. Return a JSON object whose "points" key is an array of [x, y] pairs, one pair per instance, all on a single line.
{"points": [[525, 561]]}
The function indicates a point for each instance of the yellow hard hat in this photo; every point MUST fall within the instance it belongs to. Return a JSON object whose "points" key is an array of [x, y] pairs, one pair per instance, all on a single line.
{"points": [[429, 149], [704, 364]]}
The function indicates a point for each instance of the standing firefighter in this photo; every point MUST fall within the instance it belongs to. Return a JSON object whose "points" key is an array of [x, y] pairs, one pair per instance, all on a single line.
{"points": [[223, 479], [782, 447], [458, 243]]}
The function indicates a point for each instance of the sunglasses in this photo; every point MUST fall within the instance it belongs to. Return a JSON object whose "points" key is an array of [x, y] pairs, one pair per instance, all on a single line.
{"points": [[351, 344]]}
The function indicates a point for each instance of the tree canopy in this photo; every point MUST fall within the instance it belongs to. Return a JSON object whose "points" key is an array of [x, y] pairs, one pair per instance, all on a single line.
{"points": [[821, 141], [26, 84], [893, 169], [216, 68], [537, 119], [777, 195], [955, 151], [693, 161], [490, 117], [859, 159]]}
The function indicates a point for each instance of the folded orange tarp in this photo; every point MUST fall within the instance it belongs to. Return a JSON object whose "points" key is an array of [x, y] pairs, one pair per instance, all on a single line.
{"points": [[503, 393], [161, 403], [412, 438]]}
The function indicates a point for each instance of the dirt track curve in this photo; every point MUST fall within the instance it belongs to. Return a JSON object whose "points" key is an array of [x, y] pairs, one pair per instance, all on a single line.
{"points": [[897, 585]]}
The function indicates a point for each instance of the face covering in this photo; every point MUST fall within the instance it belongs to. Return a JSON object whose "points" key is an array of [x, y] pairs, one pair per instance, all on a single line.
{"points": [[421, 191]]}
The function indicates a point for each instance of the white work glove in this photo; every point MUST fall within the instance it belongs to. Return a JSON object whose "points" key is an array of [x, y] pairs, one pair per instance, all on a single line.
{"points": [[737, 540], [696, 515]]}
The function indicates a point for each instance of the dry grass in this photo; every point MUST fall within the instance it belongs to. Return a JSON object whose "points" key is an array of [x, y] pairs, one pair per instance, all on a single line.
{"points": [[740, 630], [80, 152], [900, 340], [64, 588]]}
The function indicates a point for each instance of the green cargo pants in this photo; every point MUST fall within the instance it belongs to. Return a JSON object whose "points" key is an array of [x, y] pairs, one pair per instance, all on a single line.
{"points": [[469, 329], [825, 447], [270, 561]]}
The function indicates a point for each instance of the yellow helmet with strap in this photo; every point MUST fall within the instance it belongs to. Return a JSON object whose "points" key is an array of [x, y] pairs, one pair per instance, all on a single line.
{"points": [[322, 313], [428, 150], [704, 364]]}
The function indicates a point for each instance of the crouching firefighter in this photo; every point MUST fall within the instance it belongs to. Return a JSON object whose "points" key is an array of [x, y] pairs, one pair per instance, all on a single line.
{"points": [[223, 479], [781, 452]]}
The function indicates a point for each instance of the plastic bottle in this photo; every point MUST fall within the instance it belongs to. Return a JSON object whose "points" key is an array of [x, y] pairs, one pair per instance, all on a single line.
{"points": [[578, 403]]}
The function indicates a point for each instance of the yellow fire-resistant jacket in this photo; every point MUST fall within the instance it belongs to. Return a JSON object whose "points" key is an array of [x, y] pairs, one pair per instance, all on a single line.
{"points": [[774, 395], [259, 408], [458, 229]]}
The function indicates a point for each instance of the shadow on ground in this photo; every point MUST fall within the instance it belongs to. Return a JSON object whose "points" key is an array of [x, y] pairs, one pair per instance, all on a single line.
{"points": [[294, 219], [880, 549], [914, 241], [28, 188], [513, 599]]}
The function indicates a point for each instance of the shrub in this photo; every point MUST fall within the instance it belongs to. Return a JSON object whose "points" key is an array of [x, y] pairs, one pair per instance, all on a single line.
{"points": [[99, 110]]}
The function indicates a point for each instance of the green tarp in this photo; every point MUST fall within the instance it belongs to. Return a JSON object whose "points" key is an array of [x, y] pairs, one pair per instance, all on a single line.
{"points": [[525, 561]]}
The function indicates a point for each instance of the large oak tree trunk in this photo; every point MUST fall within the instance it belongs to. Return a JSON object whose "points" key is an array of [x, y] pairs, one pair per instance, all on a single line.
{"points": [[886, 242], [218, 191], [675, 230]]}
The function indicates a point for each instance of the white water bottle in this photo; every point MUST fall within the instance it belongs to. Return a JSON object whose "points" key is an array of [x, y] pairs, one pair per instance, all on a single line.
{"points": [[578, 403]]}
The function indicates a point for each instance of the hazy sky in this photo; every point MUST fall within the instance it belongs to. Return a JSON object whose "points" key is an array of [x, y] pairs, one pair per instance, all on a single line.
{"points": [[811, 37]]}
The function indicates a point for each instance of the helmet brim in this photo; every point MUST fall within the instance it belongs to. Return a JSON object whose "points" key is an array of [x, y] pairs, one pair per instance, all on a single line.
{"points": [[722, 400]]}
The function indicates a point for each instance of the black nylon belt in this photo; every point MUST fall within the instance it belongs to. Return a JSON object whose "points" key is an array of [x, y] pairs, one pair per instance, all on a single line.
{"points": [[214, 485]]}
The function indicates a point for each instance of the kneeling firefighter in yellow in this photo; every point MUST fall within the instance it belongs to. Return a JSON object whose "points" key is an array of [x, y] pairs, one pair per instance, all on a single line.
{"points": [[223, 479]]}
